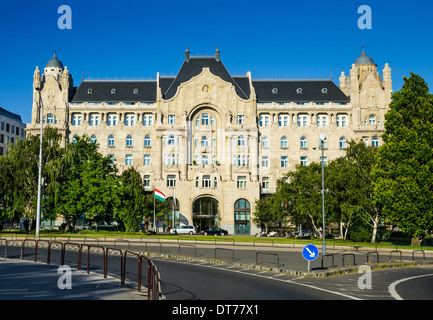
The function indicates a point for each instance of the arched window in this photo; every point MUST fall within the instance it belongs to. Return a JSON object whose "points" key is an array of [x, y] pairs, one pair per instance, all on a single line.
{"points": [[204, 142], [242, 212], [241, 141], [111, 141], [147, 141], [50, 118], [284, 143], [171, 140], [303, 142], [129, 141], [342, 143]]}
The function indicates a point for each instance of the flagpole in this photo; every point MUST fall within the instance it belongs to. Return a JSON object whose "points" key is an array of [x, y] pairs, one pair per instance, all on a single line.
{"points": [[154, 224], [174, 199]]}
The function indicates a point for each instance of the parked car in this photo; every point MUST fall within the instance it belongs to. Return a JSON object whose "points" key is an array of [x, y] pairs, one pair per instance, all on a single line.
{"points": [[183, 230], [215, 231]]}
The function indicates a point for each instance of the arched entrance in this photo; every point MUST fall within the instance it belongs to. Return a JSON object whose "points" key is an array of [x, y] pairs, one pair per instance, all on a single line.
{"points": [[242, 216], [205, 213]]}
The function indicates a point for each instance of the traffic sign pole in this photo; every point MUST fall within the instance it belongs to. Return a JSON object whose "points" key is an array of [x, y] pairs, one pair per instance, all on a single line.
{"points": [[310, 253]]}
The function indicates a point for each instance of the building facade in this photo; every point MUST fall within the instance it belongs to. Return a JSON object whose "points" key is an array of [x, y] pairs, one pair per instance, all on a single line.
{"points": [[12, 129], [213, 141]]}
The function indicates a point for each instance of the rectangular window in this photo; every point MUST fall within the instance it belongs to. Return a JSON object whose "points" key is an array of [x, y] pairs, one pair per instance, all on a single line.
{"points": [[240, 119], [325, 144], [242, 182], [146, 181], [283, 120], [204, 160], [264, 120], [146, 160], [129, 120], [341, 120], [265, 161], [322, 120], [171, 119], [94, 120], [112, 120], [206, 182], [304, 161], [2, 127], [265, 183], [76, 119], [171, 181], [325, 161], [128, 160], [284, 162], [148, 120], [302, 120]]}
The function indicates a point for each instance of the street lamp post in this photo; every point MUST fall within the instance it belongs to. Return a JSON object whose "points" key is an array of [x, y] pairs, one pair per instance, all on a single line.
{"points": [[38, 212], [322, 142]]}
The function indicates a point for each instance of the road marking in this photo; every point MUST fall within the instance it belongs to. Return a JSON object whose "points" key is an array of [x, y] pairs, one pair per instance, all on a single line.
{"points": [[391, 287], [270, 277]]}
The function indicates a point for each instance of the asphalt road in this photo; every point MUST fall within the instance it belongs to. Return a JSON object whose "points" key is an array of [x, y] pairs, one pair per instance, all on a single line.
{"points": [[203, 280], [193, 281]]}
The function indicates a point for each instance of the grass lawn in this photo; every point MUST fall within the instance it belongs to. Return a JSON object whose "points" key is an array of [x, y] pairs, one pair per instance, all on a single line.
{"points": [[106, 235]]}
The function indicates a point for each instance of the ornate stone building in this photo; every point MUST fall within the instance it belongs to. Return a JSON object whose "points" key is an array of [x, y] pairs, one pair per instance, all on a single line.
{"points": [[215, 141], [12, 129]]}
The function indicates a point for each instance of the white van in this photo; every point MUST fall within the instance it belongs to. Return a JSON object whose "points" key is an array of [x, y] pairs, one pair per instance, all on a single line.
{"points": [[184, 230]]}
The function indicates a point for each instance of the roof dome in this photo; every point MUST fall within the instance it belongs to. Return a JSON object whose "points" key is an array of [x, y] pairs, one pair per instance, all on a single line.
{"points": [[364, 59], [54, 62]]}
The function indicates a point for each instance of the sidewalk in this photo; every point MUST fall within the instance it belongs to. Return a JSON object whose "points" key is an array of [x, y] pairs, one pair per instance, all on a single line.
{"points": [[24, 280]]}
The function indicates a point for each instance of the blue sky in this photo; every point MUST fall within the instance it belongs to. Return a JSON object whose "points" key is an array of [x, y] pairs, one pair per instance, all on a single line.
{"points": [[272, 39]]}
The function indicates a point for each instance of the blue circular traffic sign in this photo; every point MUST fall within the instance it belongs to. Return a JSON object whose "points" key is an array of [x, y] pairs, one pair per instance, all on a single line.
{"points": [[310, 252]]}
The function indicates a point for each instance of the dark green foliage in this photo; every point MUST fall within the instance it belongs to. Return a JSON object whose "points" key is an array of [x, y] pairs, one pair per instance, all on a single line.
{"points": [[404, 170]]}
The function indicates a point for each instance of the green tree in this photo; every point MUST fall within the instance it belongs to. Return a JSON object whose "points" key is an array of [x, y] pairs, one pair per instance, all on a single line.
{"points": [[403, 182], [304, 189], [132, 204], [86, 182], [19, 174], [351, 191]]}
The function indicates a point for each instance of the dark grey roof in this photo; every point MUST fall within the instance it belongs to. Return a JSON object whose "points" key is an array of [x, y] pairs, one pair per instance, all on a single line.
{"points": [[54, 62], [194, 67], [364, 59], [125, 91], [266, 90], [298, 91], [10, 114]]}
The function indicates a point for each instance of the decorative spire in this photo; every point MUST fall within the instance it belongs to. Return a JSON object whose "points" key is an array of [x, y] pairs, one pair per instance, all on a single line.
{"points": [[186, 54], [217, 54]]}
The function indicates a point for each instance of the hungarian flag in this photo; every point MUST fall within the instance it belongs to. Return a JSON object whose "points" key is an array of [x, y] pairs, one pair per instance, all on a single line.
{"points": [[159, 195]]}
